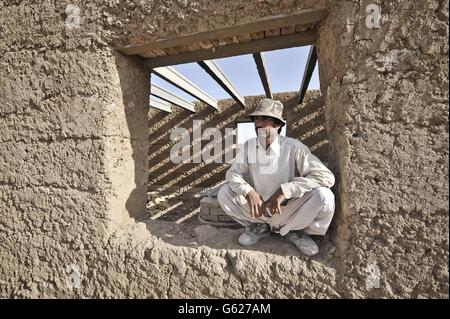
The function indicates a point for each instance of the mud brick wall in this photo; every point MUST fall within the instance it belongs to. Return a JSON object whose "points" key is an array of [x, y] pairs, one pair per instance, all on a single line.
{"points": [[387, 116]]}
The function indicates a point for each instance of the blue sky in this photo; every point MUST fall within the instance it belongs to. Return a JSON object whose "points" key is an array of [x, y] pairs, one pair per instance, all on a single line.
{"points": [[285, 71]]}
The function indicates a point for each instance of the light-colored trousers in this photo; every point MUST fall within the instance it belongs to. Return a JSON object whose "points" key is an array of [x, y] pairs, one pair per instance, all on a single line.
{"points": [[312, 212]]}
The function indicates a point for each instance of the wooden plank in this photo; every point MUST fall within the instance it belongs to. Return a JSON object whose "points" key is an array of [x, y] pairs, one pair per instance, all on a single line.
{"points": [[288, 30], [257, 35], [271, 33], [219, 76], [181, 48], [267, 44], [170, 97], [206, 44], [309, 69], [159, 52], [230, 40], [302, 27], [194, 46], [150, 55], [220, 42], [154, 53], [166, 107], [235, 39], [245, 37], [268, 23], [262, 70], [170, 51], [174, 77]]}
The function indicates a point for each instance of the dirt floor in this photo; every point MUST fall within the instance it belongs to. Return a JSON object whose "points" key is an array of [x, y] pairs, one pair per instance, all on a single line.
{"points": [[181, 208], [180, 226]]}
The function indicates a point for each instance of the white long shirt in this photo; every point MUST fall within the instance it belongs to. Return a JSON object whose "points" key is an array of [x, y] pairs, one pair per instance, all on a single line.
{"points": [[287, 163]]}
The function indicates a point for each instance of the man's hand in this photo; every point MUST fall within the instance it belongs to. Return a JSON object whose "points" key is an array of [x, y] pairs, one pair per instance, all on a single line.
{"points": [[274, 202], [255, 202]]}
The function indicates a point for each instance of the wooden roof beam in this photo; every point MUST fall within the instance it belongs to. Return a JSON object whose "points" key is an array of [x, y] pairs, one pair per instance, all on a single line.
{"points": [[160, 105], [219, 76], [309, 69], [262, 71], [254, 46], [170, 97], [174, 77]]}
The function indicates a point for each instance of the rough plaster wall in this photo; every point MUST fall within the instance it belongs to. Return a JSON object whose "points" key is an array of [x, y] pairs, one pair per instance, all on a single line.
{"points": [[387, 110], [73, 125], [304, 122], [158, 269], [55, 212]]}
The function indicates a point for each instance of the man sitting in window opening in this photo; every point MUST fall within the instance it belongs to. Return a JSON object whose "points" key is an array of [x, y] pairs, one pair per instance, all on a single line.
{"points": [[276, 184]]}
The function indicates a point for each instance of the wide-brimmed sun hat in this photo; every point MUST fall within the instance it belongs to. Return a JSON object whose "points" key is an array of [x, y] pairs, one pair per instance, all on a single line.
{"points": [[269, 107]]}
